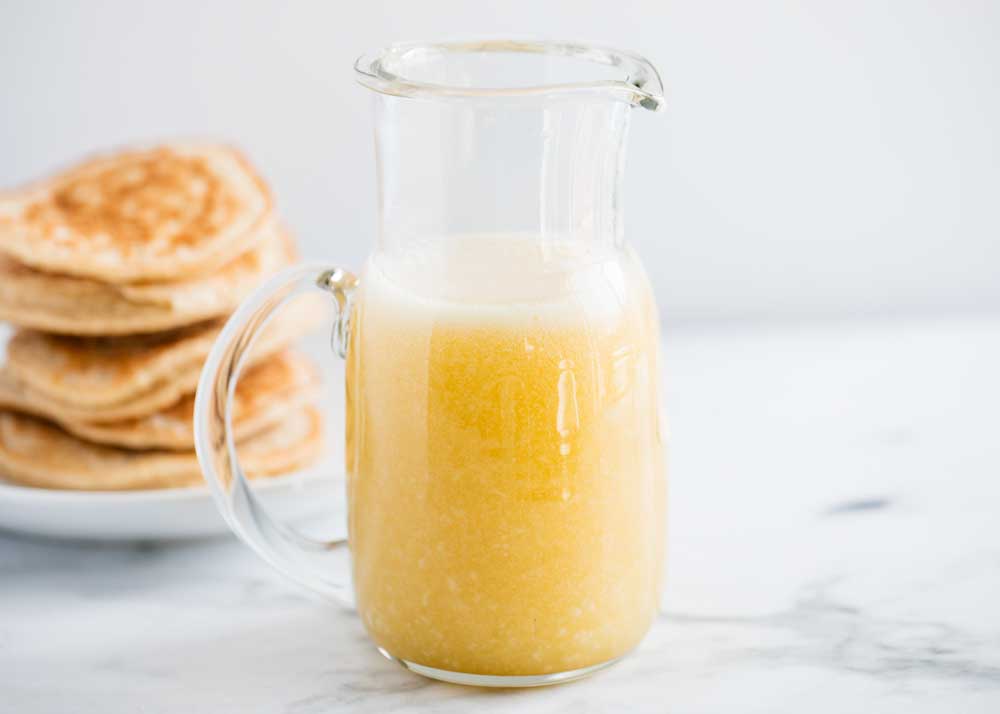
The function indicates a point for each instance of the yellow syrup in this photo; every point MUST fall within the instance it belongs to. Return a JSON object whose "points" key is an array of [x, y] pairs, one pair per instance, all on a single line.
{"points": [[505, 463]]}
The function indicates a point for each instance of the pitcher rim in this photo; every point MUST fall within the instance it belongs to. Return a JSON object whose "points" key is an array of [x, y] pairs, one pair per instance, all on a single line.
{"points": [[640, 86]]}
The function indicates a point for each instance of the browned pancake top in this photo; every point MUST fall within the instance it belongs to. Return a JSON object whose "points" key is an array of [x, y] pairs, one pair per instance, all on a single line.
{"points": [[162, 213], [157, 201]]}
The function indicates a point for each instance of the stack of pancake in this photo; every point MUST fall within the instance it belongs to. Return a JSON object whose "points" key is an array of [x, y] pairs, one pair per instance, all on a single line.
{"points": [[119, 273]]}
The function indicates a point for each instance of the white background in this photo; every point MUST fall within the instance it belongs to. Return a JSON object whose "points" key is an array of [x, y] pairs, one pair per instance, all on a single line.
{"points": [[817, 158]]}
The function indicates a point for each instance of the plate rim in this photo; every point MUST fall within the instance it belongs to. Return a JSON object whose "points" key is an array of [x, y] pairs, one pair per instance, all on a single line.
{"points": [[13, 491]]}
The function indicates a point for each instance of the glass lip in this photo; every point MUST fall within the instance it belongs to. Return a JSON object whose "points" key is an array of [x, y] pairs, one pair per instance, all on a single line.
{"points": [[641, 86]]}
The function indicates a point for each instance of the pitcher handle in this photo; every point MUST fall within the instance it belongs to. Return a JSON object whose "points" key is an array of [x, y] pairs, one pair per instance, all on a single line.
{"points": [[302, 559]]}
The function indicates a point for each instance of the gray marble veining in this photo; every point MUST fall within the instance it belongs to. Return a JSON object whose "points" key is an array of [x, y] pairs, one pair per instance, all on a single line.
{"points": [[835, 546]]}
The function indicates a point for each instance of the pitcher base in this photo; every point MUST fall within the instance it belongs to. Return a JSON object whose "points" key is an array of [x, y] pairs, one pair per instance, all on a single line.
{"points": [[489, 680]]}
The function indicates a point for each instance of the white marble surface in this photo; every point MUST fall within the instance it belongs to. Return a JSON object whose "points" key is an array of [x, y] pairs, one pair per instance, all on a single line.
{"points": [[835, 547]]}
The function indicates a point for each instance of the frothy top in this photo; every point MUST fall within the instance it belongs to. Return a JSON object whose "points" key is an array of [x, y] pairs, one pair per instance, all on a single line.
{"points": [[501, 277]]}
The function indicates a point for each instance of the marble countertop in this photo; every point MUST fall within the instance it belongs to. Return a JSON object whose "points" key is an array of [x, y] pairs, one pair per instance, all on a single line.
{"points": [[835, 547]]}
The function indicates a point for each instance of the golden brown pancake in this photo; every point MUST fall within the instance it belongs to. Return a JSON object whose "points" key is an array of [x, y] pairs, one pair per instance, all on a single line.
{"points": [[107, 379], [36, 453], [102, 373], [266, 393], [158, 214], [82, 306]]}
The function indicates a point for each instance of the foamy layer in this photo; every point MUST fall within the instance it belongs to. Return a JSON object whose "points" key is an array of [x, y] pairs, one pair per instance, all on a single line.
{"points": [[510, 280]]}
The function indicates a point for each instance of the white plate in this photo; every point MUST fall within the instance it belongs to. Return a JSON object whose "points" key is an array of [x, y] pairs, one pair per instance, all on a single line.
{"points": [[157, 515], [182, 512]]}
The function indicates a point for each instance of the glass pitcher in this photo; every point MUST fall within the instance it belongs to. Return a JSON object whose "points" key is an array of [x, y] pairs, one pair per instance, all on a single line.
{"points": [[504, 456]]}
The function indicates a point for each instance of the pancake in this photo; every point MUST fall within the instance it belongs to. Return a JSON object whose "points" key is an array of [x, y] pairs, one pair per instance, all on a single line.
{"points": [[81, 306], [266, 393], [36, 453], [160, 214], [17, 395], [97, 379]]}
